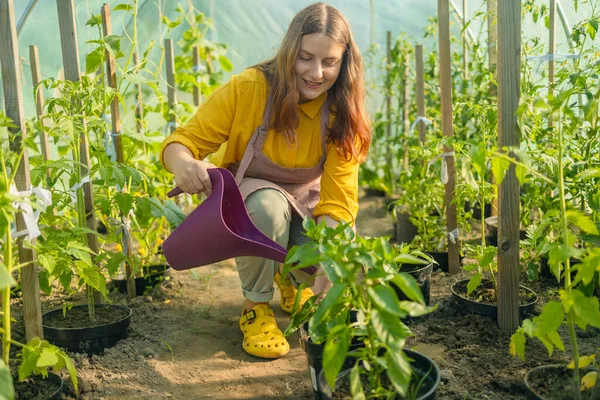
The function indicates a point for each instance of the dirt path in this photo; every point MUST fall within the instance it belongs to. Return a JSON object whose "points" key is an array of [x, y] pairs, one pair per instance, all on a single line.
{"points": [[184, 343]]}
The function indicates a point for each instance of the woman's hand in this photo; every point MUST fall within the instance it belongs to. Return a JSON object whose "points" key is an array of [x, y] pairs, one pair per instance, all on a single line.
{"points": [[191, 175], [322, 283]]}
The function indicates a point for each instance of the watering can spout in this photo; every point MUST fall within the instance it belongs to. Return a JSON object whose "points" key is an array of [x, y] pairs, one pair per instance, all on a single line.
{"points": [[218, 229]]}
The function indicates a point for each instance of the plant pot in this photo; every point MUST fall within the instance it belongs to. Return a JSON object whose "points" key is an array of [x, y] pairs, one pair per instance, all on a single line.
{"points": [[554, 382], [405, 231], [74, 333], [422, 274], [423, 367], [314, 355], [154, 276], [441, 258], [491, 225], [36, 387], [371, 192], [528, 298], [476, 210]]}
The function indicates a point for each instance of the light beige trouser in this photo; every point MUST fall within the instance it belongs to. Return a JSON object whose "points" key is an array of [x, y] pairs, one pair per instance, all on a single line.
{"points": [[274, 216]]}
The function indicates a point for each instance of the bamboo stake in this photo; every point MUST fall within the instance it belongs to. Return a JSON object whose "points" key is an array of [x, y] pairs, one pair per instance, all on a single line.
{"points": [[388, 97], [115, 117], [551, 52], [464, 42], [70, 55], [420, 91], [13, 103], [509, 66], [171, 94], [446, 99], [196, 56]]}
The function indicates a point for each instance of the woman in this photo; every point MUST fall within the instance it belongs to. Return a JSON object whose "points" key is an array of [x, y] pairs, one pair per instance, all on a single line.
{"points": [[295, 129]]}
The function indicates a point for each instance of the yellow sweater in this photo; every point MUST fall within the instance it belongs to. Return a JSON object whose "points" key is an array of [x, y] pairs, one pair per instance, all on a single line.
{"points": [[233, 112]]}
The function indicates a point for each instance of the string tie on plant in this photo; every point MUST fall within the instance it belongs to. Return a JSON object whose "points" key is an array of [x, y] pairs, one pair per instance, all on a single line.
{"points": [[426, 121], [444, 170], [73, 190], [30, 217], [552, 57], [170, 127], [453, 236]]}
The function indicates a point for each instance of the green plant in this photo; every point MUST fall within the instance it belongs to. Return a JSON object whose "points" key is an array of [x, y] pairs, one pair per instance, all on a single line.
{"points": [[366, 277], [37, 355]]}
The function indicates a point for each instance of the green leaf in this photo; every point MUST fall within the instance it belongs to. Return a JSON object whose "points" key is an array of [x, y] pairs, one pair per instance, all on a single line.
{"points": [[92, 276], [335, 352], [389, 329], [589, 266], [551, 318], [355, 385], [409, 259], [71, 368], [106, 173], [7, 391], [499, 168], [589, 174], [135, 78], [408, 285], [94, 59], [474, 282], [118, 175], [587, 309], [173, 213], [488, 256], [415, 309], [113, 44], [95, 20], [517, 344], [582, 221], [225, 63], [125, 202], [384, 297], [6, 280], [47, 358], [124, 7], [333, 296], [398, 371]]}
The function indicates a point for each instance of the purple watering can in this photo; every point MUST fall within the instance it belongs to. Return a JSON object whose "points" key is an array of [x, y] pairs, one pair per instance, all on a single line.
{"points": [[218, 229]]}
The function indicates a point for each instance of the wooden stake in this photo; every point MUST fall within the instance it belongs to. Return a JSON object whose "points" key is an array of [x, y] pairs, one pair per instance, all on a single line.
{"points": [[420, 91], [70, 55], [446, 99], [171, 93], [492, 60], [196, 56], [405, 110], [13, 103], [115, 117], [464, 42], [509, 67], [36, 78], [388, 97]]}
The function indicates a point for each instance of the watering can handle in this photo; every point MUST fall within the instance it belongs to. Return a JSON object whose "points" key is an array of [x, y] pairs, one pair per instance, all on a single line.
{"points": [[175, 192]]}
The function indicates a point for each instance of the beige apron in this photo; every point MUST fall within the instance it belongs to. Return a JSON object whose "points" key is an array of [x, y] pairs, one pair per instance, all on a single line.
{"points": [[301, 186]]}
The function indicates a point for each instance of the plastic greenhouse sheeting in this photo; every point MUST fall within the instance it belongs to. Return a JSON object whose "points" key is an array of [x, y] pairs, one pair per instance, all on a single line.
{"points": [[252, 29]]}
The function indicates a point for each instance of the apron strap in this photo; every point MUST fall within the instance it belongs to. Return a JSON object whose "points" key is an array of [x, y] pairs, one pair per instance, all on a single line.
{"points": [[324, 124], [256, 141]]}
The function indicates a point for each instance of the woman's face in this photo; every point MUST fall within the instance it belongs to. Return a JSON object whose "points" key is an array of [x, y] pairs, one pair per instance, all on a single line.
{"points": [[317, 65]]}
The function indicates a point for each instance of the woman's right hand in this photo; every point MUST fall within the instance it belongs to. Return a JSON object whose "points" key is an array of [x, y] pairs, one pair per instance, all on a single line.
{"points": [[192, 177]]}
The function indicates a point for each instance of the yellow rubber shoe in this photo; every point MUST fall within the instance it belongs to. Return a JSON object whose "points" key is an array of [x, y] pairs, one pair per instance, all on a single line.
{"points": [[262, 337], [288, 294]]}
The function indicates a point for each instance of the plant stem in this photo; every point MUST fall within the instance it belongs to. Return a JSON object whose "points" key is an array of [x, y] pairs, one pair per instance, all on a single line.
{"points": [[6, 339], [565, 234]]}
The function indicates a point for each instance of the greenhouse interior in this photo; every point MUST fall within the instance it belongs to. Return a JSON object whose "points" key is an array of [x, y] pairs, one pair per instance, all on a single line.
{"points": [[360, 199]]}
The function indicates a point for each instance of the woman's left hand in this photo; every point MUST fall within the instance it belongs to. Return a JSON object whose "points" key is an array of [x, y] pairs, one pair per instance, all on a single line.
{"points": [[322, 283]]}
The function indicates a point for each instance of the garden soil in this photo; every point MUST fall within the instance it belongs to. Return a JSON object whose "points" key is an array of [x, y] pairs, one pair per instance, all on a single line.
{"points": [[184, 342]]}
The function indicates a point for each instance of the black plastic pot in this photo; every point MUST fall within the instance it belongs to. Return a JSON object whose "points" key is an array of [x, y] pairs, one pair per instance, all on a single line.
{"points": [[404, 229], [88, 340], [441, 258], [314, 355], [422, 366], [476, 210], [552, 373], [422, 274], [371, 192], [459, 295], [154, 276], [53, 381], [491, 225]]}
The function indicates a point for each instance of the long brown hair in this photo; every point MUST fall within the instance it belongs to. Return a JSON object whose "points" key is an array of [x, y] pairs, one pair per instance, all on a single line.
{"points": [[351, 127]]}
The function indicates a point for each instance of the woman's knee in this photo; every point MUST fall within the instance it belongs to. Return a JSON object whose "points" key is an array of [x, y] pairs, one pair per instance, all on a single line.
{"points": [[270, 211]]}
